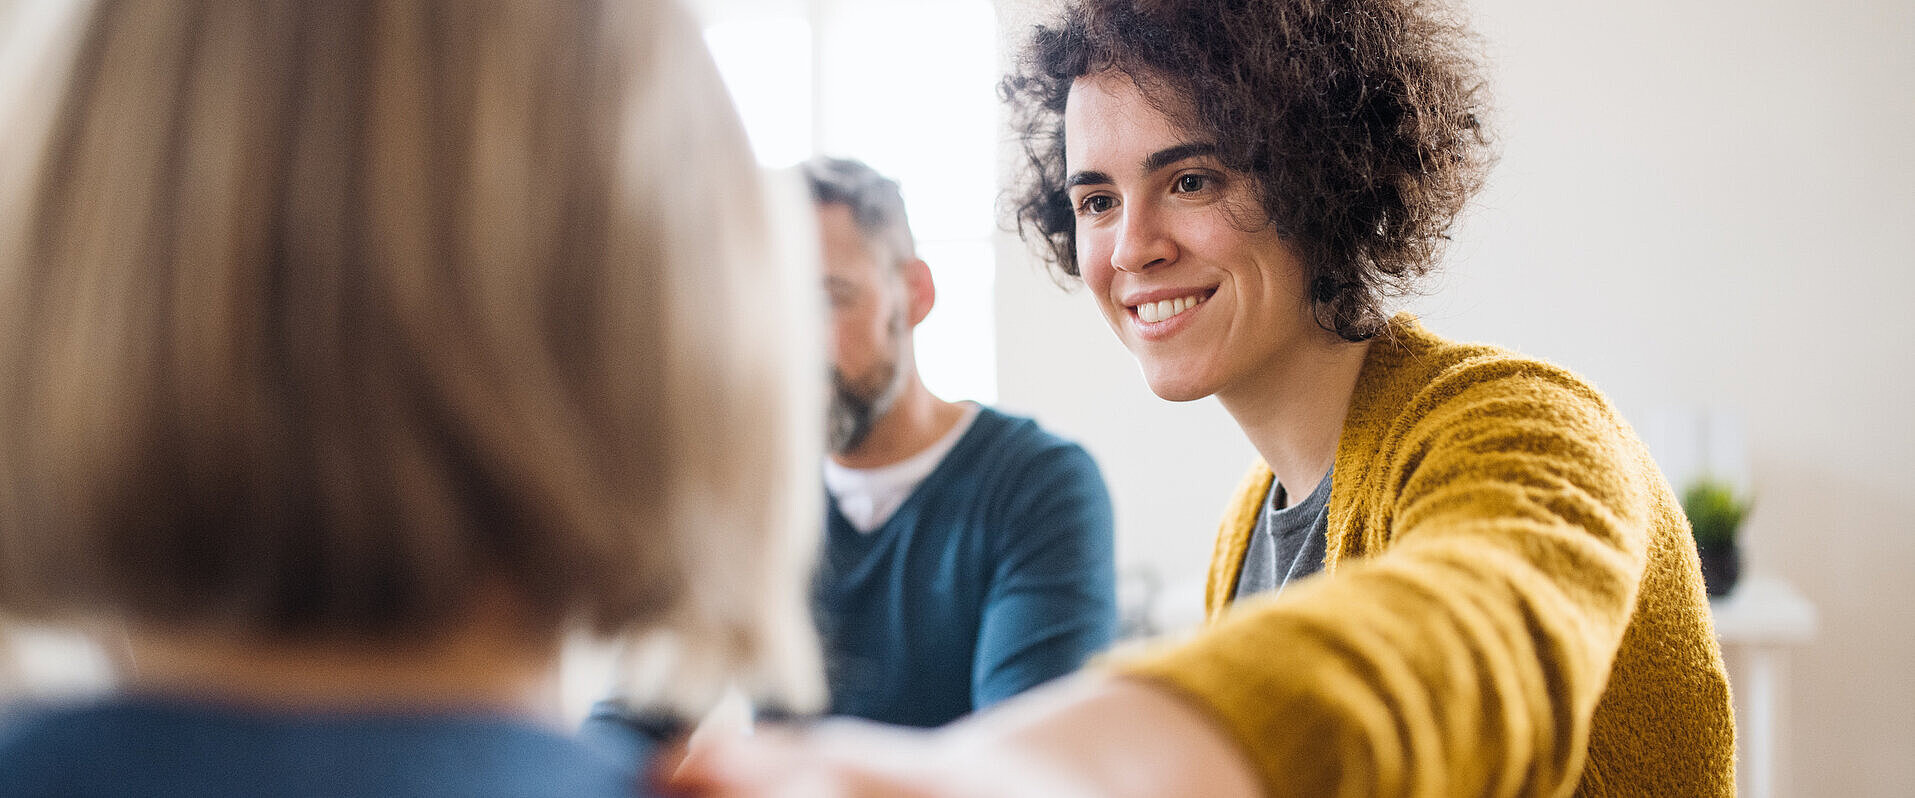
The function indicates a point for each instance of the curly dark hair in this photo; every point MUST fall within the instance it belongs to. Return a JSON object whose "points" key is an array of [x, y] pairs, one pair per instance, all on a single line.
{"points": [[1361, 121]]}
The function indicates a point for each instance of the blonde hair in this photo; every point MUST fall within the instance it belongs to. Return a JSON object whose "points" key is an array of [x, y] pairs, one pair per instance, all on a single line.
{"points": [[320, 319]]}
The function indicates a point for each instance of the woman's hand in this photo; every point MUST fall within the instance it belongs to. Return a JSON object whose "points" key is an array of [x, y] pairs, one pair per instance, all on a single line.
{"points": [[1084, 737], [833, 758]]}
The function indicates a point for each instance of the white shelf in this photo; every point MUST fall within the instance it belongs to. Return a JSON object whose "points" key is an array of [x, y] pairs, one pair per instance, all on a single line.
{"points": [[1763, 610], [1759, 621]]}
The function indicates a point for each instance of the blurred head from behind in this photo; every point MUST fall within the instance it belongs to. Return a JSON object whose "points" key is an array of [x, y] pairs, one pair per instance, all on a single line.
{"points": [[356, 322], [1357, 123], [877, 291]]}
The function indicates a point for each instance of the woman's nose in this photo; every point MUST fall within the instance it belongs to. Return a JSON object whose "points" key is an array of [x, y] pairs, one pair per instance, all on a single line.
{"points": [[1142, 242]]}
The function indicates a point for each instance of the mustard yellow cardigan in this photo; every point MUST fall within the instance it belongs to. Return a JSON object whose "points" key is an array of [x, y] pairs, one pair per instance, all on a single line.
{"points": [[1511, 603]]}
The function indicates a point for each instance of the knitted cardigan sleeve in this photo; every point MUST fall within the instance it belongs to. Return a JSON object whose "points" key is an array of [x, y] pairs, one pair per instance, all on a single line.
{"points": [[1490, 524]]}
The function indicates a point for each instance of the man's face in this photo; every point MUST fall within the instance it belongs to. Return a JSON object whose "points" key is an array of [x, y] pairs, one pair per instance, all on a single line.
{"points": [[1187, 271], [869, 317]]}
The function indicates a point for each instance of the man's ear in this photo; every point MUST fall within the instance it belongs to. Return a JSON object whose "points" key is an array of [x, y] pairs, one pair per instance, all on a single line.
{"points": [[919, 290]]}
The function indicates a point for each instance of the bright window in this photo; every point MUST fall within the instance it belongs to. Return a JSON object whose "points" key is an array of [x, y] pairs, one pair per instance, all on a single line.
{"points": [[909, 88]]}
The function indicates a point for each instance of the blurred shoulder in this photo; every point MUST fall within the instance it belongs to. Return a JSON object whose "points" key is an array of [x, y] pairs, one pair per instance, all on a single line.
{"points": [[1019, 444]]}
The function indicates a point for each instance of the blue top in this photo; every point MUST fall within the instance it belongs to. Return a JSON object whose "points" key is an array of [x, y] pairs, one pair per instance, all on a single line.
{"points": [[140, 747], [997, 574]]}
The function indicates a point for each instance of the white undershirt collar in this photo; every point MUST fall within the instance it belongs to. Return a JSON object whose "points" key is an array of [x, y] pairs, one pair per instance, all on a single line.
{"points": [[869, 496]]}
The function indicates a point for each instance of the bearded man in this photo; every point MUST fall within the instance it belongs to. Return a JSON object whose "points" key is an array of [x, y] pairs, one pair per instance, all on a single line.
{"points": [[968, 553]]}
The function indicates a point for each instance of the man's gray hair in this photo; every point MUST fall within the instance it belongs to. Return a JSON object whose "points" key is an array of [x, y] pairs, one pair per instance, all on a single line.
{"points": [[876, 205]]}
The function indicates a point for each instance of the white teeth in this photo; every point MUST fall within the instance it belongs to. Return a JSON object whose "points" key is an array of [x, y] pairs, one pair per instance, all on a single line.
{"points": [[1153, 312]]}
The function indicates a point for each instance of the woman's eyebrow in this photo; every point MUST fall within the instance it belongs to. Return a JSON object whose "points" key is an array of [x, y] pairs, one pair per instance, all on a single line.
{"points": [[1152, 162], [1170, 155], [1087, 178]]}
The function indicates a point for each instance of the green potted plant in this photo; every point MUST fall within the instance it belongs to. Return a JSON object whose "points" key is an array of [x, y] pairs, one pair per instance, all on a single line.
{"points": [[1715, 513]]}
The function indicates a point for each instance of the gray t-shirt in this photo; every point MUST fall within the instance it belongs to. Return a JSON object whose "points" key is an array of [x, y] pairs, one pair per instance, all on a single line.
{"points": [[1287, 544]]}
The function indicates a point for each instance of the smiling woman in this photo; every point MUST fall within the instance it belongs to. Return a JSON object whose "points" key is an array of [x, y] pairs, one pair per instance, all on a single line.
{"points": [[1367, 200], [1455, 571]]}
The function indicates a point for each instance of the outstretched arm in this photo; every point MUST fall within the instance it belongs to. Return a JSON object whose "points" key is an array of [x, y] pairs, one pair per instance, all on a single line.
{"points": [[1088, 736], [1468, 658], [1506, 532]]}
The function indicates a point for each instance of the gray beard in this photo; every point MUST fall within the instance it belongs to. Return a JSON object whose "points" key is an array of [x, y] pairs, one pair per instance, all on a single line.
{"points": [[852, 412]]}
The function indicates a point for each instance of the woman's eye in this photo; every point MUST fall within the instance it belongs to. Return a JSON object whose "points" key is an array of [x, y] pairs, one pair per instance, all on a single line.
{"points": [[1192, 183], [1096, 203]]}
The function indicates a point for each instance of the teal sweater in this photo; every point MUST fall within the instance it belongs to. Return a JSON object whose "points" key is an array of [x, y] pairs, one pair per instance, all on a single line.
{"points": [[994, 576]]}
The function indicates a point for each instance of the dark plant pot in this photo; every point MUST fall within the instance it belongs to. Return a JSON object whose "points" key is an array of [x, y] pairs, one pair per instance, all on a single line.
{"points": [[1721, 566]]}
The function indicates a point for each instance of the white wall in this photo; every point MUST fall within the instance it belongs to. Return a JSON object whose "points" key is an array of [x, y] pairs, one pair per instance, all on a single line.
{"points": [[1699, 204]]}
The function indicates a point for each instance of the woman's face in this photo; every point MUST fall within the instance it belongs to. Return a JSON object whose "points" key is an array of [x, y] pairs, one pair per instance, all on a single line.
{"points": [[1177, 250]]}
